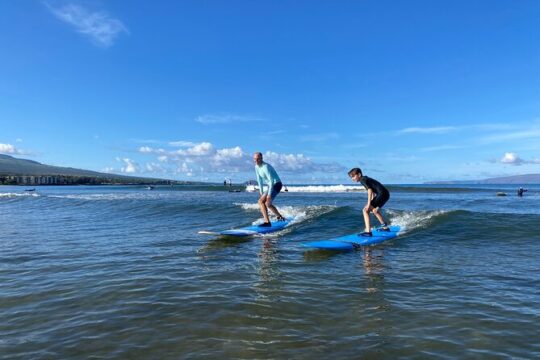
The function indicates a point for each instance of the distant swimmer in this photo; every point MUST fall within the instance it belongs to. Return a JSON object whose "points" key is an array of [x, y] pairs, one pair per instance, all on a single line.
{"points": [[521, 191], [377, 196], [266, 174]]}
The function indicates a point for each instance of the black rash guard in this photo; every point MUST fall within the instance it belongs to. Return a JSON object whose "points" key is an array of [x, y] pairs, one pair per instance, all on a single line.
{"points": [[381, 193], [374, 185]]}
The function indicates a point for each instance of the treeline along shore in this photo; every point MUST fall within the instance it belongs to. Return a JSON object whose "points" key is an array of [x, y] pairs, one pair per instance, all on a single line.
{"points": [[81, 180]]}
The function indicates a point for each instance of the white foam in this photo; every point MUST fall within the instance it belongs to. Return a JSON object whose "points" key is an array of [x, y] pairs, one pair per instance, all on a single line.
{"points": [[13, 195], [324, 188], [409, 220], [253, 188], [110, 196], [314, 188], [298, 213]]}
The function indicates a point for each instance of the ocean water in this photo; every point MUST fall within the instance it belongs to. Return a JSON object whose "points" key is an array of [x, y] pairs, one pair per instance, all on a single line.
{"points": [[122, 273]]}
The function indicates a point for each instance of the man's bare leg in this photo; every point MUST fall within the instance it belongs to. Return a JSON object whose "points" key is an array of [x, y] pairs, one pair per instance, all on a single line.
{"points": [[271, 206], [264, 210]]}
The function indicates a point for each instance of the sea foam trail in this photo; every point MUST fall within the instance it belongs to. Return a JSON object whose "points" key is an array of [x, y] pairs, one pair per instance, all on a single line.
{"points": [[14, 195], [314, 188], [325, 188], [411, 220], [300, 214], [113, 196]]}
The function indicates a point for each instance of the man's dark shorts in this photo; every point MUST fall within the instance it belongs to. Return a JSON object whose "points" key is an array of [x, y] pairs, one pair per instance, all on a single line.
{"points": [[379, 200], [275, 190]]}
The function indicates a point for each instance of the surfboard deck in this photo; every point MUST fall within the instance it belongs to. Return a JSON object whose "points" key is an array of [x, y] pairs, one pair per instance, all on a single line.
{"points": [[252, 230], [353, 241]]}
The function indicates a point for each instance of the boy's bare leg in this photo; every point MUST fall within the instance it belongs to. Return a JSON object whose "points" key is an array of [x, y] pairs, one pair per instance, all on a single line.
{"points": [[379, 216], [367, 222]]}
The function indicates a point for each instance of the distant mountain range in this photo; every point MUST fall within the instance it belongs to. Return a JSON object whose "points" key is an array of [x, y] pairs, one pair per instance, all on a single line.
{"points": [[11, 166], [516, 179]]}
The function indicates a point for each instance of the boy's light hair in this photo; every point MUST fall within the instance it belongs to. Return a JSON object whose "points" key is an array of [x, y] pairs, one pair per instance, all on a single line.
{"points": [[355, 171]]}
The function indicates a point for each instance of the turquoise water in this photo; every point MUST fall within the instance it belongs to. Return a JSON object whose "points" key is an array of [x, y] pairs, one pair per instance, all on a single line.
{"points": [[121, 273]]}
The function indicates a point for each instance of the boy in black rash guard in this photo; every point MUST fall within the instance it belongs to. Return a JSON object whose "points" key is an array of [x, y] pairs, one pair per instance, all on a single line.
{"points": [[378, 195]]}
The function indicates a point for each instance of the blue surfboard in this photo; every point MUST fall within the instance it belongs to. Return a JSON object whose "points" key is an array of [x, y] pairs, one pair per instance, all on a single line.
{"points": [[353, 241], [252, 230]]}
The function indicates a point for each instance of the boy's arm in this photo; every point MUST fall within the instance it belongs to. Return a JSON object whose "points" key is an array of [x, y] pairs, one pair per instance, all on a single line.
{"points": [[369, 197]]}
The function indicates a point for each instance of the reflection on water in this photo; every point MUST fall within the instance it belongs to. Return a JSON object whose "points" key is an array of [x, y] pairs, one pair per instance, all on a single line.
{"points": [[373, 261], [268, 269]]}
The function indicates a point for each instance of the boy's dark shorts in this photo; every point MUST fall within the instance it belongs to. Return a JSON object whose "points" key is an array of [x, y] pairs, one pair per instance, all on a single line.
{"points": [[379, 200], [275, 190]]}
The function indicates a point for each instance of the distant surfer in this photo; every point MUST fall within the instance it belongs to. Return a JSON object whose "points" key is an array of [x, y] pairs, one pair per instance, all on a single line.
{"points": [[267, 175], [521, 191], [377, 196]]}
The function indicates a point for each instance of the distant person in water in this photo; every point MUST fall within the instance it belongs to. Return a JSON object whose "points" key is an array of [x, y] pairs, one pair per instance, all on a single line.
{"points": [[267, 175], [521, 191], [377, 196]]}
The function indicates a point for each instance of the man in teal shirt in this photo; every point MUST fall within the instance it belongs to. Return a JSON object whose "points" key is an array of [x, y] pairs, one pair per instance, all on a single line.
{"points": [[267, 175]]}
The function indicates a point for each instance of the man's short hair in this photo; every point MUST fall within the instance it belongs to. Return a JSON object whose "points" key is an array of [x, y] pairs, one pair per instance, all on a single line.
{"points": [[355, 171]]}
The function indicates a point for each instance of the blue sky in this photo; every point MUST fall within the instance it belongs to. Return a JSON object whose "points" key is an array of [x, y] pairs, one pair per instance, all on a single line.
{"points": [[410, 91]]}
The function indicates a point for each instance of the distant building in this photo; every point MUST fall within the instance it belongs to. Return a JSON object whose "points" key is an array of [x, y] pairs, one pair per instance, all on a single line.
{"points": [[36, 180], [41, 180]]}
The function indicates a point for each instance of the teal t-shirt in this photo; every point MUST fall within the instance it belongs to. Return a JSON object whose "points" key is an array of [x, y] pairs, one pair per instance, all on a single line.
{"points": [[266, 175]]}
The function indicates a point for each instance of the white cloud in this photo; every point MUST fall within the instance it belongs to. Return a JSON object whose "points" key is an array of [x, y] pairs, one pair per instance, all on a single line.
{"points": [[511, 159], [155, 168], [225, 119], [10, 149], [145, 149], [299, 163], [99, 26], [129, 167], [150, 150], [228, 155], [235, 152], [185, 169], [202, 149], [204, 158], [7, 149], [428, 130]]}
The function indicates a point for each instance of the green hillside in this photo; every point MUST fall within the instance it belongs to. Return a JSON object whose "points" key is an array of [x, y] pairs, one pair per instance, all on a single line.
{"points": [[14, 167]]}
